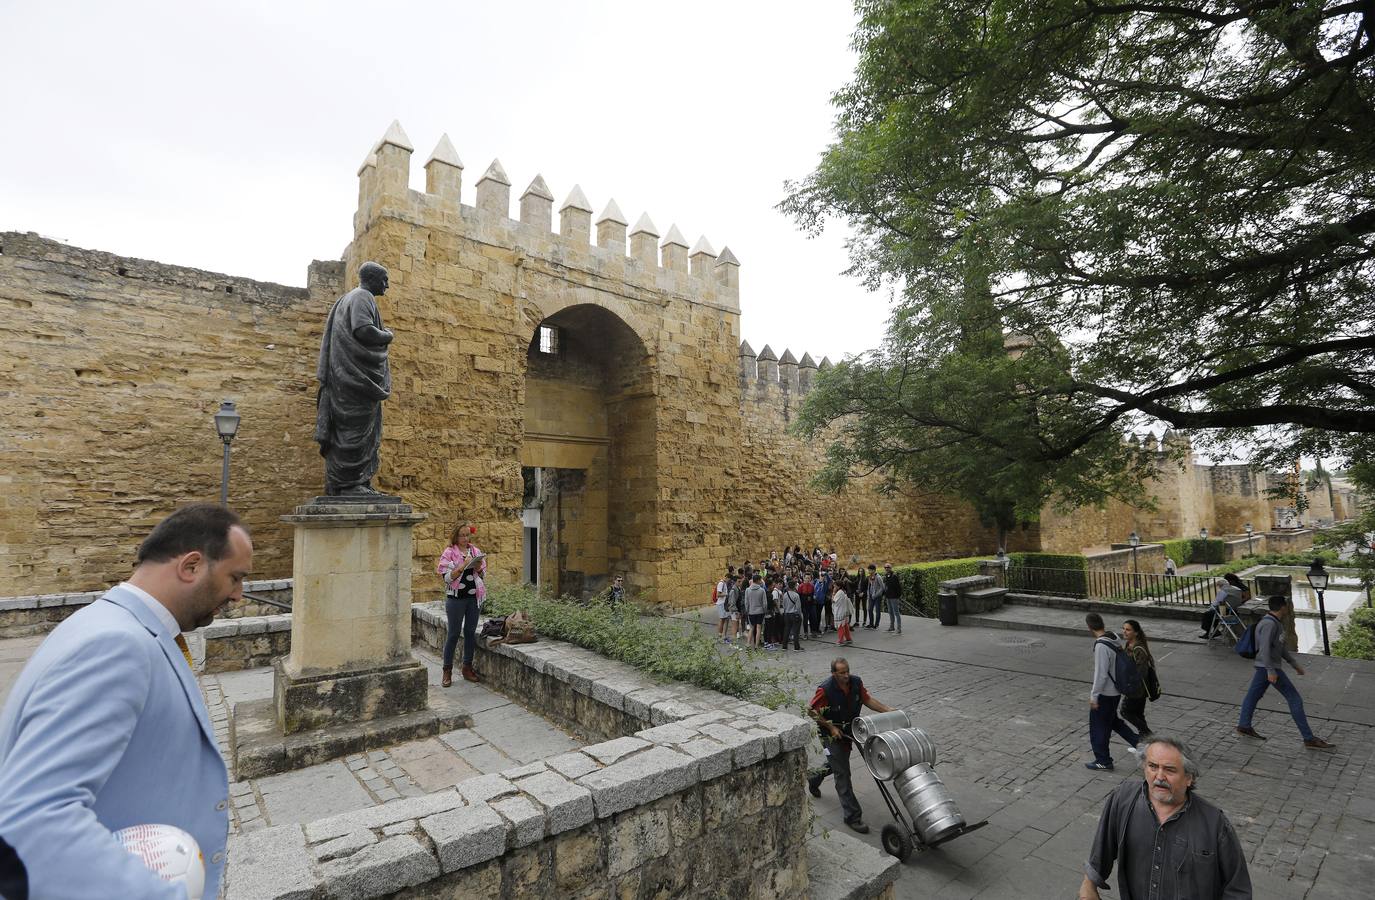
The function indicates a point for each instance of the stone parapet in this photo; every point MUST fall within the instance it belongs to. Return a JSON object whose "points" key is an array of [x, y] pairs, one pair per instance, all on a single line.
{"points": [[248, 642]]}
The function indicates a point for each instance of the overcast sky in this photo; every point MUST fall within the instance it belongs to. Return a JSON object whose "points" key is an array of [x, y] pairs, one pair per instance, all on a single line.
{"points": [[228, 136]]}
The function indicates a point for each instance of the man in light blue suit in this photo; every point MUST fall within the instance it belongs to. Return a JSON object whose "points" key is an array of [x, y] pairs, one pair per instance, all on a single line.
{"points": [[106, 728]]}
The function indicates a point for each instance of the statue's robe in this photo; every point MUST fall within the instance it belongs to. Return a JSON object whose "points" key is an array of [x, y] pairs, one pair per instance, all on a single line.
{"points": [[354, 380]]}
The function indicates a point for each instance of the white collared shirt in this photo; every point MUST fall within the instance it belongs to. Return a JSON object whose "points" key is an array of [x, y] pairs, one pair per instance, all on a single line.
{"points": [[163, 613]]}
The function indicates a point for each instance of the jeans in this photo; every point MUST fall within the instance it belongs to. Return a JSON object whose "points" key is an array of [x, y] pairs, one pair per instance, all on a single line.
{"points": [[1103, 721], [838, 764], [894, 615], [1134, 713], [1260, 683], [875, 611], [793, 628], [462, 615]]}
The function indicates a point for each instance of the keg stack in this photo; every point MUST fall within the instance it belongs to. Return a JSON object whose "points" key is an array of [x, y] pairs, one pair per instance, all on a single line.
{"points": [[903, 756]]}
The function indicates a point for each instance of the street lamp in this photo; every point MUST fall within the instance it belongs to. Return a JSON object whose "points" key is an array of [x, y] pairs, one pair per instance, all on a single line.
{"points": [[1135, 540], [1317, 580], [226, 425], [1249, 532], [1203, 532]]}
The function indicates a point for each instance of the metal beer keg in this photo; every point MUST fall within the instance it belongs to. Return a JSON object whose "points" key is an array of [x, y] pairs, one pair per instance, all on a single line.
{"points": [[891, 752], [866, 727], [929, 803]]}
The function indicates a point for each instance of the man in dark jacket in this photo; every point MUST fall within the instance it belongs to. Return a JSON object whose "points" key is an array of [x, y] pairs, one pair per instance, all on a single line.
{"points": [[836, 703], [1271, 654], [892, 592]]}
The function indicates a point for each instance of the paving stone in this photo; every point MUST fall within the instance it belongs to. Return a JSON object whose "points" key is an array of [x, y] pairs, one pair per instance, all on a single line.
{"points": [[405, 827], [380, 869], [462, 739], [311, 793], [465, 837], [270, 864], [387, 794], [485, 758], [342, 846], [431, 764], [357, 762], [522, 771], [667, 734], [572, 765], [567, 805], [526, 821], [640, 779], [379, 816], [377, 755]]}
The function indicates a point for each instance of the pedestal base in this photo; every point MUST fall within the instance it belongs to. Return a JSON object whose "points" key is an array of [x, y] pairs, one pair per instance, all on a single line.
{"points": [[260, 748], [308, 702]]}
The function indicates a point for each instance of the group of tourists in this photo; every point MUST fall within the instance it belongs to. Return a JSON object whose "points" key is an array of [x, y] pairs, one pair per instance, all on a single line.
{"points": [[793, 596]]}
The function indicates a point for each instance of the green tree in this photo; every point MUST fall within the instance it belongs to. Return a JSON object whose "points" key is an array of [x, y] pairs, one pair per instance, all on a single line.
{"points": [[1172, 203]]}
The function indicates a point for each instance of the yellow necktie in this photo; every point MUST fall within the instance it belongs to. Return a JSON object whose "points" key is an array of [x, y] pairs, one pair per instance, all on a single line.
{"points": [[186, 652]]}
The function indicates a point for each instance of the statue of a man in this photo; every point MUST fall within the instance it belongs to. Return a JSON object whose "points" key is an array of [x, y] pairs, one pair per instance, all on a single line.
{"points": [[354, 380]]}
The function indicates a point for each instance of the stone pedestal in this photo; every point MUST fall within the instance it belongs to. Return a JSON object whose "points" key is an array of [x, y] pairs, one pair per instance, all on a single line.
{"points": [[350, 681]]}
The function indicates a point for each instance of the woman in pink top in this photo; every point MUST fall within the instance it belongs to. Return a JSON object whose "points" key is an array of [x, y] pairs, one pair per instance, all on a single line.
{"points": [[462, 565]]}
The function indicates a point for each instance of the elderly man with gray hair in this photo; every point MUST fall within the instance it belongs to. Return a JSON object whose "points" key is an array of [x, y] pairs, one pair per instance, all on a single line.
{"points": [[1165, 839]]}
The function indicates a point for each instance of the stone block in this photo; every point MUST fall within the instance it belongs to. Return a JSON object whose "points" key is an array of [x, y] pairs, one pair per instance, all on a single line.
{"points": [[667, 734], [533, 768], [640, 779], [638, 703], [612, 751], [772, 743], [714, 758], [484, 788], [747, 749], [320, 701], [270, 864], [380, 816], [567, 805], [635, 838], [572, 765], [252, 625], [343, 846], [220, 628], [380, 869], [525, 819], [465, 837]]}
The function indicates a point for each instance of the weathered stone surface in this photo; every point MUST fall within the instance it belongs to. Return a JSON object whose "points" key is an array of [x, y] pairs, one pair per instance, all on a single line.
{"points": [[640, 779], [484, 788], [270, 864], [523, 771], [343, 846], [567, 805], [379, 869], [572, 765], [714, 758], [386, 814], [525, 819], [465, 837], [667, 734], [748, 749], [635, 838], [612, 751]]}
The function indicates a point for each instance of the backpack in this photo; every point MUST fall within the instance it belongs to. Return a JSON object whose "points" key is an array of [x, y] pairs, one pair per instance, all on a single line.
{"points": [[1246, 644], [1153, 691], [1125, 676]]}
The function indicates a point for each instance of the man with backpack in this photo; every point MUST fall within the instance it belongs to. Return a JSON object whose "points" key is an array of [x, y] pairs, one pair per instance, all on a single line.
{"points": [[1114, 674], [1270, 655]]}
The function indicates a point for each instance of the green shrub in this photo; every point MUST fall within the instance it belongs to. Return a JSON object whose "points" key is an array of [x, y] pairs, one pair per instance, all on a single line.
{"points": [[667, 648], [1305, 559], [1357, 637], [921, 581], [1057, 573], [1180, 551]]}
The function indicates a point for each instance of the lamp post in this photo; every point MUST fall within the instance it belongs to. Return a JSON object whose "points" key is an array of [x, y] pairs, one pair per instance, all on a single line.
{"points": [[1317, 580], [1135, 540], [1249, 532], [226, 425], [1203, 532]]}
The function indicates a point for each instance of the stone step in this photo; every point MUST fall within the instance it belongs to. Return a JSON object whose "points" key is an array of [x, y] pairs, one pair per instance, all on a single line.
{"points": [[1065, 621], [842, 867]]}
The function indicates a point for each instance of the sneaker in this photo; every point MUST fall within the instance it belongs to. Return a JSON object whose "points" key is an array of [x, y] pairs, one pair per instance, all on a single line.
{"points": [[1135, 751], [1250, 732], [858, 826], [798, 650], [1318, 743], [1098, 767], [890, 631]]}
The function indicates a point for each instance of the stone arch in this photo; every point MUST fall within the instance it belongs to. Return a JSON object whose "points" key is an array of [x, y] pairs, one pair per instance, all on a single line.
{"points": [[588, 452]]}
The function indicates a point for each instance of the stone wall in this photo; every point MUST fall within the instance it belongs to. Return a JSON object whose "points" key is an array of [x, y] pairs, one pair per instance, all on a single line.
{"points": [[113, 371], [660, 811], [246, 642]]}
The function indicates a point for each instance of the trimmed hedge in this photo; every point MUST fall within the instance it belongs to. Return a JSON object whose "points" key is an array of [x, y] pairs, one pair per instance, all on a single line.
{"points": [[1180, 551], [1357, 639], [921, 581], [1196, 550], [1069, 576]]}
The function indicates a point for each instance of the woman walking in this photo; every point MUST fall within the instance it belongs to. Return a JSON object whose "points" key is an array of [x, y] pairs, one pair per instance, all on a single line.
{"points": [[1134, 706], [462, 565], [840, 603]]}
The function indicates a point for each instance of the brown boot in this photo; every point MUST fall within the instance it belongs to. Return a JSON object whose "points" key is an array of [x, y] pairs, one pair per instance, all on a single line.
{"points": [[470, 675], [448, 676]]}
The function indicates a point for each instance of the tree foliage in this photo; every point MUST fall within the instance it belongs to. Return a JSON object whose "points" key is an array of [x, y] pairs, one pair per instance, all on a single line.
{"points": [[1171, 203]]}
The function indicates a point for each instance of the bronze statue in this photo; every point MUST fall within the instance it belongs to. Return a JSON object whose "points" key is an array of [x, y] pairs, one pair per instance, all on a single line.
{"points": [[354, 380]]}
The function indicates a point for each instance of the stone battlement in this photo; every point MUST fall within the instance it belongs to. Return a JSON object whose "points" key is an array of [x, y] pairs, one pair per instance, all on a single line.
{"points": [[765, 372], [638, 257]]}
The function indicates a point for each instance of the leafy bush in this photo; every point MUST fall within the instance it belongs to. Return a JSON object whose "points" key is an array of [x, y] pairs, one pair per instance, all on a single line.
{"points": [[1357, 637], [1305, 559], [1181, 551], [666, 648], [921, 581]]}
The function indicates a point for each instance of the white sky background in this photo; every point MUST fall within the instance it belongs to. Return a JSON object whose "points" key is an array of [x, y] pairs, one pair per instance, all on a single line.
{"points": [[227, 137]]}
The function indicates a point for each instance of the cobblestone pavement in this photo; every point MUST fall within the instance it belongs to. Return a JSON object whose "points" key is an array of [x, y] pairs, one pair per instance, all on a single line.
{"points": [[1009, 714], [503, 735]]}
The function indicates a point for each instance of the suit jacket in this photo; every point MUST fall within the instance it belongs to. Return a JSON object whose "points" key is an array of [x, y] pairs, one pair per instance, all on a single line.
{"points": [[106, 728]]}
